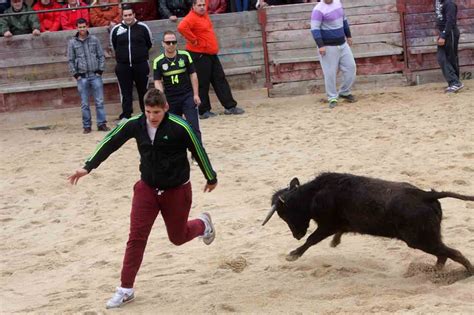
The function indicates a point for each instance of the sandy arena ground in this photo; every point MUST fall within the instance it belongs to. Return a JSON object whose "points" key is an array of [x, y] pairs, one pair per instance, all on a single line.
{"points": [[62, 246]]}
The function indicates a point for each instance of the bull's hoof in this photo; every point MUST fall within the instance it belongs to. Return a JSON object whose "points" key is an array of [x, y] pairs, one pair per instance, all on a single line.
{"points": [[292, 257]]}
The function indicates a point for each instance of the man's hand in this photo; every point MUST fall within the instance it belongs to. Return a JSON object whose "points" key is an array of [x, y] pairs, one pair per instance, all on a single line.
{"points": [[74, 178], [36, 32], [173, 18], [349, 41], [209, 187], [7, 34], [322, 51], [197, 100], [441, 41]]}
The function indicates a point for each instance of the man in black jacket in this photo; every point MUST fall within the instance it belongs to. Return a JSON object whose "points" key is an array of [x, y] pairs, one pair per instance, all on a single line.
{"points": [[162, 141], [174, 9], [131, 41], [448, 41]]}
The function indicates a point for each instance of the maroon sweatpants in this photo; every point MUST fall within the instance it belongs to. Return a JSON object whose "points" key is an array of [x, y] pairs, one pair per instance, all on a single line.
{"points": [[174, 205]]}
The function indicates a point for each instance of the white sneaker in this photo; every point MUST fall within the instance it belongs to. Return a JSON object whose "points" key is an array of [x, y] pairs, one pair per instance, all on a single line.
{"points": [[121, 297], [209, 233]]}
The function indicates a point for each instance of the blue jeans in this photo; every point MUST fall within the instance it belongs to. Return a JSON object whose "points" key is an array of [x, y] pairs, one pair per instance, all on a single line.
{"points": [[241, 5], [91, 85]]}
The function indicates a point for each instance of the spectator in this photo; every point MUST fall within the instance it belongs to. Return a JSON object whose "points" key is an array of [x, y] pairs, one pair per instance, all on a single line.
{"points": [[216, 6], [105, 16], [19, 24], [146, 11], [69, 18], [87, 63], [448, 42], [174, 74], [49, 21], [4, 4], [131, 41], [174, 9], [330, 30], [201, 42]]}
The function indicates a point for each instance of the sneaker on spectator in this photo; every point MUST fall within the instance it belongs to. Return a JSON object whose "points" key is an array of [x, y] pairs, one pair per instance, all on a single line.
{"points": [[121, 297], [454, 88], [209, 232], [103, 127], [87, 130], [348, 98], [332, 103], [234, 111], [207, 115]]}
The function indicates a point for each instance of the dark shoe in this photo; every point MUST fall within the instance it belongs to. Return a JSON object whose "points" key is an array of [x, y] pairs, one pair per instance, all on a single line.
{"points": [[348, 98], [207, 115], [103, 128], [332, 104], [87, 130], [234, 111]]}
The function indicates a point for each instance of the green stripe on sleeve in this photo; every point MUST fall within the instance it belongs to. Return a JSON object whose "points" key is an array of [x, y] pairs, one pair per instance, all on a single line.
{"points": [[197, 144]]}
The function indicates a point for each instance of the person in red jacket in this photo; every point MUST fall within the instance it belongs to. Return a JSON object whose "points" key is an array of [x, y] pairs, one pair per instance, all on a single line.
{"points": [[146, 11], [105, 16], [69, 18], [216, 6], [50, 21], [201, 42]]}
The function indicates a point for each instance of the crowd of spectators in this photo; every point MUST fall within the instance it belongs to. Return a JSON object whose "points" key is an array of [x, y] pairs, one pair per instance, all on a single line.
{"points": [[107, 16]]}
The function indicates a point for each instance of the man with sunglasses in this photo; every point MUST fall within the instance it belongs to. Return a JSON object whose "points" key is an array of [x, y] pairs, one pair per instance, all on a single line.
{"points": [[175, 75], [201, 41]]}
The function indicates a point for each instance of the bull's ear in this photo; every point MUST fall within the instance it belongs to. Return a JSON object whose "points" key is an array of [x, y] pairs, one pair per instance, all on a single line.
{"points": [[295, 183]]}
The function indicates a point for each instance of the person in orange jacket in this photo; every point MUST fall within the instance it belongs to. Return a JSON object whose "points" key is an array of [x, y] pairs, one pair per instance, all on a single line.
{"points": [[105, 16], [201, 42], [49, 21], [69, 18]]}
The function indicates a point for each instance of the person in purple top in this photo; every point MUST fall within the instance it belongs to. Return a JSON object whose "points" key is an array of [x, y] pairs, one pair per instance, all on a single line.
{"points": [[332, 34]]}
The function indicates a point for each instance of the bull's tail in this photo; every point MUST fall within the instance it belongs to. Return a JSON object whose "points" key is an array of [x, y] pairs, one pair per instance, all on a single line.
{"points": [[434, 195]]}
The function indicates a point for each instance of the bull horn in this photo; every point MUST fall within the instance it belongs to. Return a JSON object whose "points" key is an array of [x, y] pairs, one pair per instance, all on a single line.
{"points": [[269, 215]]}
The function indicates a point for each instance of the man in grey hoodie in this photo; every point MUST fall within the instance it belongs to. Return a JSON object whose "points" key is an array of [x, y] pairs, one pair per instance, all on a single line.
{"points": [[87, 63]]}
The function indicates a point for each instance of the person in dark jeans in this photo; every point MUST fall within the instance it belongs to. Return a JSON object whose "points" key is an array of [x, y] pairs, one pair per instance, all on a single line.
{"points": [[175, 75], [131, 41], [201, 42], [448, 41]]}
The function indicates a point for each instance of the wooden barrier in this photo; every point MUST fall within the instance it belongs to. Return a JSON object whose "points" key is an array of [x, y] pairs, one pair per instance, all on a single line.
{"points": [[421, 35], [292, 52], [34, 71]]}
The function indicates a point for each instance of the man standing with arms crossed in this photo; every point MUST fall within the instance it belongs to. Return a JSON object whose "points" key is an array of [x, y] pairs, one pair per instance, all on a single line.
{"points": [[201, 41], [330, 29], [131, 41], [174, 74], [162, 140]]}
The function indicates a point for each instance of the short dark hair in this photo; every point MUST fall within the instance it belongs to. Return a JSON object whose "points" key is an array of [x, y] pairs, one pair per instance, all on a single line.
{"points": [[154, 97], [168, 32], [81, 21], [127, 6]]}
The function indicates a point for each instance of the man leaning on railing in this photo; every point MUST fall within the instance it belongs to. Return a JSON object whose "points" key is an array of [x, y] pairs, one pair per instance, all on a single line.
{"points": [[19, 24]]}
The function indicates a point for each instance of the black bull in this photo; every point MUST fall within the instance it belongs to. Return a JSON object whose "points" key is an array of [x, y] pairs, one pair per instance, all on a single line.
{"points": [[341, 203]]}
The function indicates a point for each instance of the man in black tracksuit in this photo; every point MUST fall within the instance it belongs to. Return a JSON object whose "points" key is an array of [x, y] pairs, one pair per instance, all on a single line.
{"points": [[131, 41], [448, 40]]}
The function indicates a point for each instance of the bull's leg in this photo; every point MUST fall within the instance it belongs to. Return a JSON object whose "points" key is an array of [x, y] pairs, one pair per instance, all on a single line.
{"points": [[457, 257], [336, 240], [443, 252], [441, 262], [317, 236]]}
